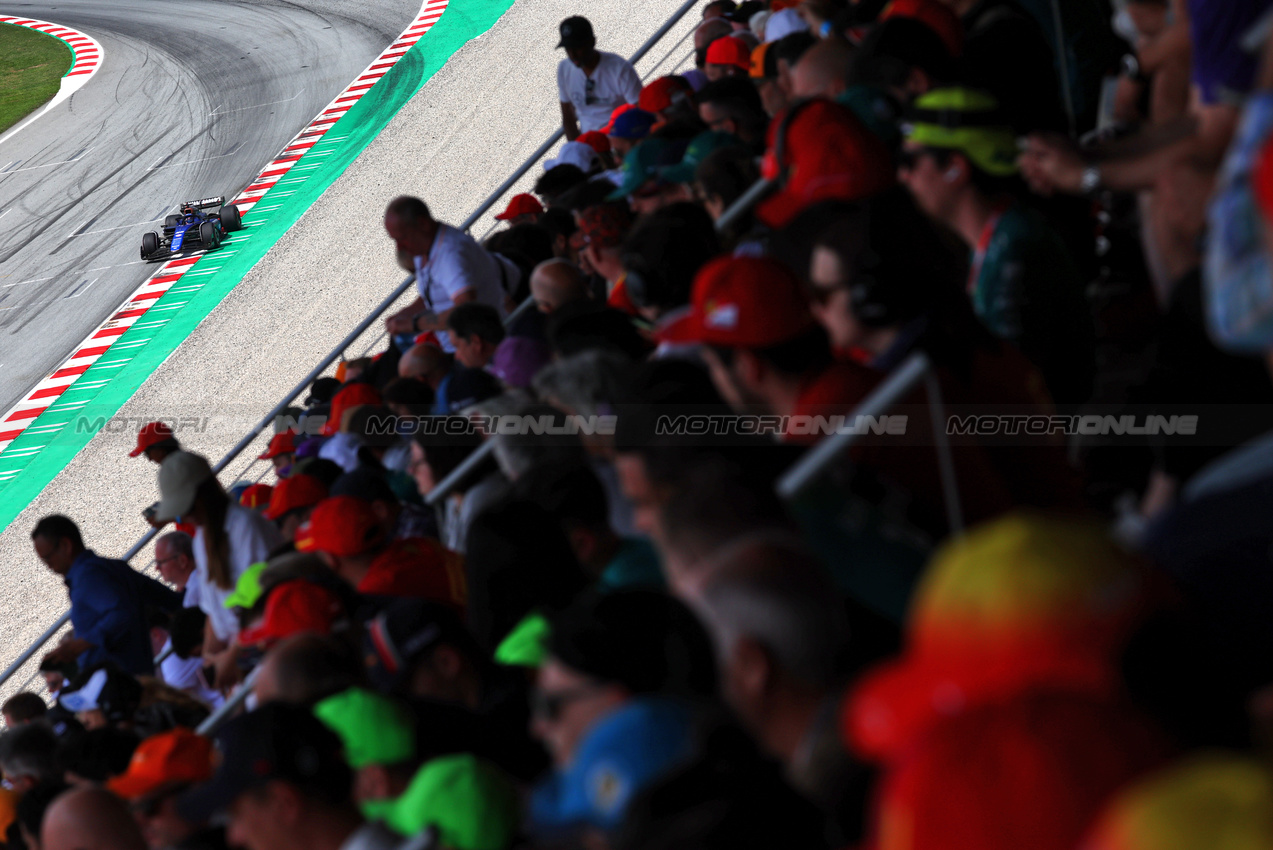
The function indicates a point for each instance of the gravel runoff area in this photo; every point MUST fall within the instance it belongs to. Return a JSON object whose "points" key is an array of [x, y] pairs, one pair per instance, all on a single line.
{"points": [[476, 120]]}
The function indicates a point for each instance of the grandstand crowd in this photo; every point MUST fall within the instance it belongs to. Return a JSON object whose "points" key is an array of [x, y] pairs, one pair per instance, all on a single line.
{"points": [[612, 631]]}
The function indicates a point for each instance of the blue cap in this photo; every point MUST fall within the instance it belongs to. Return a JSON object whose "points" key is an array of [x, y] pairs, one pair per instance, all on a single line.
{"points": [[622, 754], [634, 124]]}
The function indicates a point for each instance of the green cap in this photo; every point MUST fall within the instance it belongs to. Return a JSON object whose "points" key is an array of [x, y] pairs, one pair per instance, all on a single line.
{"points": [[701, 146], [472, 804], [644, 163], [967, 121], [527, 644], [248, 588], [374, 728]]}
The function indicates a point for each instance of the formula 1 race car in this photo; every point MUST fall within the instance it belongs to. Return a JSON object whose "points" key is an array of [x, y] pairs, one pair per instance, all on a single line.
{"points": [[193, 227]]}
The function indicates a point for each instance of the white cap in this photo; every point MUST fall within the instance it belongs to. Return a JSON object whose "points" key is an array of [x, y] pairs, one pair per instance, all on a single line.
{"points": [[180, 475], [783, 23], [577, 154]]}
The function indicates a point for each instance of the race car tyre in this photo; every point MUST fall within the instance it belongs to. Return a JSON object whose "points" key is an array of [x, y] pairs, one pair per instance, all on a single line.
{"points": [[149, 244], [208, 235], [172, 220], [230, 218]]}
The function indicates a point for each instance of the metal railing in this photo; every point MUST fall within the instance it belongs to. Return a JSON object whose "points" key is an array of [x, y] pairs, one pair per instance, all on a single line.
{"points": [[439, 492], [819, 460]]}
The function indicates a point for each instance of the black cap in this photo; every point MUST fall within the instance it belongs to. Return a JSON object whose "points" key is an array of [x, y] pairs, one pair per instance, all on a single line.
{"points": [[406, 630], [744, 12], [277, 741], [364, 483], [644, 640], [576, 32]]}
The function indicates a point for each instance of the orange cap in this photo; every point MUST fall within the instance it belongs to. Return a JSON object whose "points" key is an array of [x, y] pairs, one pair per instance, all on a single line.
{"points": [[175, 756], [340, 525]]}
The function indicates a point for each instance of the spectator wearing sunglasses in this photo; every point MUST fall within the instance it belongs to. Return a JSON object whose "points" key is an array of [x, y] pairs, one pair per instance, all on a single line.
{"points": [[590, 82], [959, 161]]}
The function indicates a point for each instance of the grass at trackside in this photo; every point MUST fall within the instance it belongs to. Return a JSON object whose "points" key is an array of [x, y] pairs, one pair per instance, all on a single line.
{"points": [[31, 68]]}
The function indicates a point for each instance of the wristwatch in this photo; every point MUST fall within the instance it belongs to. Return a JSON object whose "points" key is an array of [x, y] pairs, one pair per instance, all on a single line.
{"points": [[1090, 183]]}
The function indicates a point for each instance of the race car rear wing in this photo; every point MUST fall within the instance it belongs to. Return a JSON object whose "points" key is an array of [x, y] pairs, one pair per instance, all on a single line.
{"points": [[206, 202]]}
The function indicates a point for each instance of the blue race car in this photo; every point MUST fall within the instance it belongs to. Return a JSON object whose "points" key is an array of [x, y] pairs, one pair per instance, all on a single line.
{"points": [[193, 227]]}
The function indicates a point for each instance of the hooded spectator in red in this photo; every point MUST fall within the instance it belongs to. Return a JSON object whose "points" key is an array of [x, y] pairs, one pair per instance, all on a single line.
{"points": [[1003, 724], [349, 537], [820, 151]]}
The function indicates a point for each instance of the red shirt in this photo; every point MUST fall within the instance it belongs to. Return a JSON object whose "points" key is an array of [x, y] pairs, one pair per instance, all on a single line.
{"points": [[419, 568], [835, 391]]}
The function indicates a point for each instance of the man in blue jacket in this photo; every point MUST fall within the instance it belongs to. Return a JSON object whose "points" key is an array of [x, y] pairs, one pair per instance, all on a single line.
{"points": [[109, 601]]}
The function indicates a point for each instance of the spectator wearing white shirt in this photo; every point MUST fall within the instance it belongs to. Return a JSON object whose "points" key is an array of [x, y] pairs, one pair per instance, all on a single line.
{"points": [[591, 83], [174, 559], [451, 269], [228, 539]]}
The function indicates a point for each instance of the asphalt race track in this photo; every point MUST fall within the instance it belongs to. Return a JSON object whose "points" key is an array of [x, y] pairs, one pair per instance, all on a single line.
{"points": [[194, 96]]}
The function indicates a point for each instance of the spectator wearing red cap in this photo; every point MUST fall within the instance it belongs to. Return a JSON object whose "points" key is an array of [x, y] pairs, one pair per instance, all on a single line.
{"points": [[727, 57], [349, 537], [156, 442], [162, 768], [281, 452], [664, 96], [292, 501], [349, 397], [256, 497], [451, 268], [600, 144], [819, 151], [590, 82], [292, 608], [1008, 692], [707, 32], [762, 345], [522, 209], [602, 229], [934, 14]]}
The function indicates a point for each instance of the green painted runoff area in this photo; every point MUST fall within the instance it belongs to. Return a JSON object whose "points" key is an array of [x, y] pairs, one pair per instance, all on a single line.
{"points": [[32, 65], [48, 444]]}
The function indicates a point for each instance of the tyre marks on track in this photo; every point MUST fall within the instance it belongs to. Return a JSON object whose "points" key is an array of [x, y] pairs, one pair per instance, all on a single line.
{"points": [[23, 416]]}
